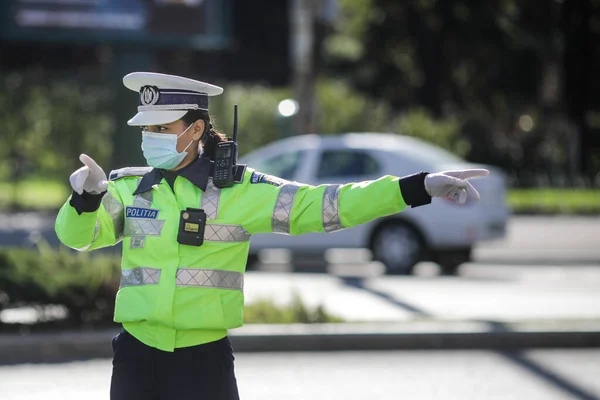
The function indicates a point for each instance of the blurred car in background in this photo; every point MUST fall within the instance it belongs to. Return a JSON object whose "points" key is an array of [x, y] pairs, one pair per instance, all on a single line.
{"points": [[443, 231]]}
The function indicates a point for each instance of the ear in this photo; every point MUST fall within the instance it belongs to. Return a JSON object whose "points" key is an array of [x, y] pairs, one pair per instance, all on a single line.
{"points": [[198, 129]]}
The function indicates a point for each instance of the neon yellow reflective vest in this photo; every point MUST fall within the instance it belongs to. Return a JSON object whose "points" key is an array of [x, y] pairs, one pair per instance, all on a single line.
{"points": [[174, 295]]}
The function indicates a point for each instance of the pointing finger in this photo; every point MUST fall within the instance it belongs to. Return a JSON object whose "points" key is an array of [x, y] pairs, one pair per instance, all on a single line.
{"points": [[468, 173], [88, 161]]}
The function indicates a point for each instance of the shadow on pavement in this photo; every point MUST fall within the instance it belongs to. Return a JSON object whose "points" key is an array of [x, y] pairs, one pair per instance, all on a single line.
{"points": [[520, 359], [359, 283], [516, 357]]}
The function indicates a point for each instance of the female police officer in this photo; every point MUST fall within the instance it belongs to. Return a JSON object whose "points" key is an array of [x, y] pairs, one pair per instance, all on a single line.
{"points": [[186, 241]]}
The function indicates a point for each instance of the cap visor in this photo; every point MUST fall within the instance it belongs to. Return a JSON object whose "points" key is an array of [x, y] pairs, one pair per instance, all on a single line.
{"points": [[145, 118]]}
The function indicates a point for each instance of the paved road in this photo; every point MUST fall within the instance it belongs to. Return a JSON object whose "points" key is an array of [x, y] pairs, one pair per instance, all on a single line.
{"points": [[549, 239], [544, 375]]}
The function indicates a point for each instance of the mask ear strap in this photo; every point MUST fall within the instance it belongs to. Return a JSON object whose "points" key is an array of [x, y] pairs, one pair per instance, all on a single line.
{"points": [[185, 130], [187, 147]]}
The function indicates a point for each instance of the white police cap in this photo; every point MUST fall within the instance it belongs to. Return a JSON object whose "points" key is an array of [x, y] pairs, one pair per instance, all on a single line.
{"points": [[167, 98]]}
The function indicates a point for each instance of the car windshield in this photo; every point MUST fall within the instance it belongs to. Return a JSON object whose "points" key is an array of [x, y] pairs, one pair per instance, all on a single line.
{"points": [[341, 163]]}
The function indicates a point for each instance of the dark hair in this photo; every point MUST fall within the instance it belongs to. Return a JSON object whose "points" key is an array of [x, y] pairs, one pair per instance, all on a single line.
{"points": [[211, 136]]}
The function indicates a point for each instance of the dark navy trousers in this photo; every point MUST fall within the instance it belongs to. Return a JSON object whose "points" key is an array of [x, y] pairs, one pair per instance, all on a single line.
{"points": [[203, 372]]}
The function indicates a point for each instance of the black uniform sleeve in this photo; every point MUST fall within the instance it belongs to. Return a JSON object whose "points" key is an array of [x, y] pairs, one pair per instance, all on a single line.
{"points": [[86, 202], [413, 190]]}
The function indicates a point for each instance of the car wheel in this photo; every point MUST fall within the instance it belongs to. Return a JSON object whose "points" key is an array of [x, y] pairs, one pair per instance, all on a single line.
{"points": [[399, 247], [449, 268], [450, 261], [252, 263]]}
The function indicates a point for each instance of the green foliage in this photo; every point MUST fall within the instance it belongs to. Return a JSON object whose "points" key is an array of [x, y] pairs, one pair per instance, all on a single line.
{"points": [[257, 124], [343, 109], [488, 61], [265, 311], [84, 284], [554, 201], [48, 121], [420, 123], [34, 194], [429, 53], [347, 42], [51, 121]]}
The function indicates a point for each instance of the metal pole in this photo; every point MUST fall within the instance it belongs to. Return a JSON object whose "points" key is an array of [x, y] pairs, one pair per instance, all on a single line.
{"points": [[302, 36]]}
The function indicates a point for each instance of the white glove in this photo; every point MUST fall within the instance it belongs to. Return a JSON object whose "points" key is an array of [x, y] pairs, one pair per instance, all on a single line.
{"points": [[453, 185], [90, 178]]}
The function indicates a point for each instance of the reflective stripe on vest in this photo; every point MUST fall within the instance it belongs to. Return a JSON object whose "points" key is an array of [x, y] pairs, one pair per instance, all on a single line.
{"points": [[225, 233], [185, 277], [219, 232], [285, 201], [210, 278], [331, 209], [210, 200], [140, 276], [280, 222], [115, 210], [143, 227]]}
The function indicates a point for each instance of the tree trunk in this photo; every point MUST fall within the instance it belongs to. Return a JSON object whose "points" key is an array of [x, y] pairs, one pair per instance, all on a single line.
{"points": [[303, 63]]}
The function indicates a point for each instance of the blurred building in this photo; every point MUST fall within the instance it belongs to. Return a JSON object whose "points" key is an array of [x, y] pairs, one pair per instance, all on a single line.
{"points": [[232, 39], [100, 41]]}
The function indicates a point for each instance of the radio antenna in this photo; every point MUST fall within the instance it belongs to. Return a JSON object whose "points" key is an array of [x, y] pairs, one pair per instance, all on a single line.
{"points": [[235, 123]]}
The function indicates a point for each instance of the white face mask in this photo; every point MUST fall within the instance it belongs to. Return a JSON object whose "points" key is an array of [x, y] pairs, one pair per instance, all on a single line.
{"points": [[160, 149]]}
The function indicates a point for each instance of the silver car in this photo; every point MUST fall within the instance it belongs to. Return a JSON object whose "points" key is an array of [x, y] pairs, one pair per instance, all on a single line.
{"points": [[443, 231]]}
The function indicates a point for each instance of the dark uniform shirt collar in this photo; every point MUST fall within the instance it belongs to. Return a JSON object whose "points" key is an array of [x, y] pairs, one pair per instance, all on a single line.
{"points": [[197, 173]]}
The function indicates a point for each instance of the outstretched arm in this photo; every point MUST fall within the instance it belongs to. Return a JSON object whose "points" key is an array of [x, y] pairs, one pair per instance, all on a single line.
{"points": [[278, 206]]}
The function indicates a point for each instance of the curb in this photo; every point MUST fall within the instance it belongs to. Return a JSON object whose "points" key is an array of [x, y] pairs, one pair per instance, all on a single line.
{"points": [[420, 335], [417, 335]]}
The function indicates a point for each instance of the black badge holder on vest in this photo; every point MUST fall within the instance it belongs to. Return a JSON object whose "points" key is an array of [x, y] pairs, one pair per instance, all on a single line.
{"points": [[192, 223], [226, 158]]}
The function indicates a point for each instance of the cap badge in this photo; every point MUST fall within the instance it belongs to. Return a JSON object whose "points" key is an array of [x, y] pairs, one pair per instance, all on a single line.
{"points": [[149, 95]]}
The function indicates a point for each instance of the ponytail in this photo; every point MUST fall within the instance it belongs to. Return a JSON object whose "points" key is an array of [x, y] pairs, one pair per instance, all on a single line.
{"points": [[210, 136], [210, 146]]}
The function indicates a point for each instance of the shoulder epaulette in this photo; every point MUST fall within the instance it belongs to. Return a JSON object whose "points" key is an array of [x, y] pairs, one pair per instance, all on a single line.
{"points": [[128, 171], [240, 170], [259, 177]]}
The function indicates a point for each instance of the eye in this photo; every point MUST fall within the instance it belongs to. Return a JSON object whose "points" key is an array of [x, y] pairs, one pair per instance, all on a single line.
{"points": [[162, 128]]}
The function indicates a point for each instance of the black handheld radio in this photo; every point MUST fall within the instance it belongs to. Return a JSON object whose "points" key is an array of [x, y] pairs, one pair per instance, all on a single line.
{"points": [[226, 158]]}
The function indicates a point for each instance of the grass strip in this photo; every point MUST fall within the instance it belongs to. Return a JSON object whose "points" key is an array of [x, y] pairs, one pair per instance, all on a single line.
{"points": [[555, 201], [35, 194]]}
